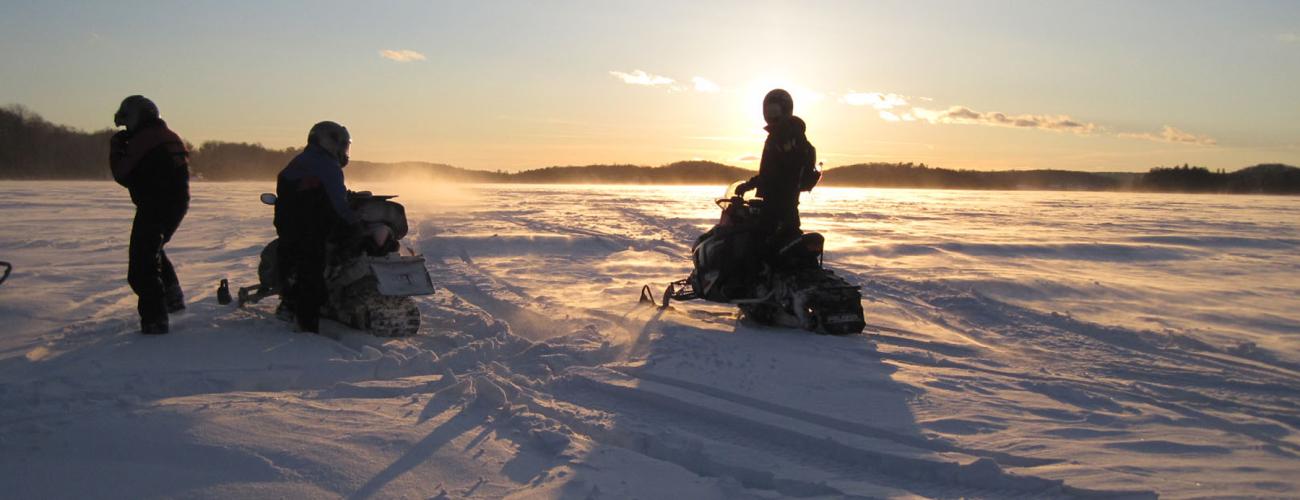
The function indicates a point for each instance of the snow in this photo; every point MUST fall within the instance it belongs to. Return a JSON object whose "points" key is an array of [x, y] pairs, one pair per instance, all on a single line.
{"points": [[1037, 344]]}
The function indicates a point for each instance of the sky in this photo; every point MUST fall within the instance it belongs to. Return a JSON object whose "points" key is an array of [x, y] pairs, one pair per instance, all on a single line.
{"points": [[1098, 85]]}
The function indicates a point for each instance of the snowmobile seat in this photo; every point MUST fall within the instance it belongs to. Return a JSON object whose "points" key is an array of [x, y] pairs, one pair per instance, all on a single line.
{"points": [[804, 250], [375, 210]]}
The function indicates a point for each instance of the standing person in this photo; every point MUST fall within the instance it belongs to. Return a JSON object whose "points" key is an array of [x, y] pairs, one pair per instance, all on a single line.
{"points": [[311, 205], [787, 167], [152, 162]]}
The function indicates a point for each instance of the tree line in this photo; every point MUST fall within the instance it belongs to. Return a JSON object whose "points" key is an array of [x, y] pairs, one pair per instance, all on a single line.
{"points": [[33, 148], [1272, 178], [909, 175]]}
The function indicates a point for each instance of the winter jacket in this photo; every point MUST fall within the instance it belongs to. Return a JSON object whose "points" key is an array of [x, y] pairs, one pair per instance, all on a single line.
{"points": [[152, 163], [784, 153], [312, 183]]}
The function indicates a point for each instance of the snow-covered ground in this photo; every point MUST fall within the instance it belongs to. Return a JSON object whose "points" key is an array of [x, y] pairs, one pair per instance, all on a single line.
{"points": [[1031, 344]]}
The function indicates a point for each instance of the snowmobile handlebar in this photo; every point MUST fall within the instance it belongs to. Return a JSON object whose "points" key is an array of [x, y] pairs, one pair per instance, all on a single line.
{"points": [[733, 196], [270, 198], [723, 203], [367, 195]]}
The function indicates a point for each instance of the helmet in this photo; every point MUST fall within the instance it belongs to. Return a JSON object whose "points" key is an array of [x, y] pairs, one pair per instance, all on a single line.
{"points": [[134, 111], [777, 104], [333, 138]]}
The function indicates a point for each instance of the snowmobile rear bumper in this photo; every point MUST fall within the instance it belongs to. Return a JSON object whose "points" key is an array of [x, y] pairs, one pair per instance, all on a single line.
{"points": [[401, 275]]}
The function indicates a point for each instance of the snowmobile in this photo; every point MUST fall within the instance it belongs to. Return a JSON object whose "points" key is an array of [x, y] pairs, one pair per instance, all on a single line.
{"points": [[789, 288], [370, 289]]}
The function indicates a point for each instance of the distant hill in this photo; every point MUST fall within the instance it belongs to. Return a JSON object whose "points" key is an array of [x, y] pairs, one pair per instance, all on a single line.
{"points": [[417, 171], [1261, 179], [32, 148], [684, 172], [921, 176]]}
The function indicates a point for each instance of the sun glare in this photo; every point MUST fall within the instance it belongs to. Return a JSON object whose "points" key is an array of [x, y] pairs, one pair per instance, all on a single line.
{"points": [[742, 116], [806, 100]]}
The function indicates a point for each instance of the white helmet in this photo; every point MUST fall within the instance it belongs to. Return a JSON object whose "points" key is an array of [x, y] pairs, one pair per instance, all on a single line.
{"points": [[333, 138]]}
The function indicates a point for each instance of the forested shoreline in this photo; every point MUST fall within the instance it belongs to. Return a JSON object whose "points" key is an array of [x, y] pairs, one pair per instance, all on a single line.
{"points": [[32, 148]]}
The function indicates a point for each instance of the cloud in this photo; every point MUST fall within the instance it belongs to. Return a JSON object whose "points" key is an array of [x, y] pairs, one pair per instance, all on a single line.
{"points": [[401, 56], [966, 116], [748, 157], [889, 106], [1173, 135], [1288, 37], [891, 116], [638, 77], [895, 108], [705, 85], [878, 100]]}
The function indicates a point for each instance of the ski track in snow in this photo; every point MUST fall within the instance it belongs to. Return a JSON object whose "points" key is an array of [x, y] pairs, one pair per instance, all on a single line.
{"points": [[1029, 345]]}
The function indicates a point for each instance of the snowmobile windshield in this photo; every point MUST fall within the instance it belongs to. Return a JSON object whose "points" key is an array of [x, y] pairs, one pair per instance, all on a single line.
{"points": [[725, 200]]}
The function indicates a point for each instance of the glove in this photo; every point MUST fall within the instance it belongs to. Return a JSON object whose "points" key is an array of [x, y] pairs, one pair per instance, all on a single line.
{"points": [[117, 144], [743, 188]]}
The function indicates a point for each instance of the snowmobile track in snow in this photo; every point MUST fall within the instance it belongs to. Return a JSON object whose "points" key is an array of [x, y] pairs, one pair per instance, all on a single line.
{"points": [[710, 435]]}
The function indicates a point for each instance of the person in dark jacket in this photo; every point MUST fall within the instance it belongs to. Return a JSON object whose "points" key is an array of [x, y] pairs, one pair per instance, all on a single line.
{"points": [[310, 209], [786, 157], [152, 162]]}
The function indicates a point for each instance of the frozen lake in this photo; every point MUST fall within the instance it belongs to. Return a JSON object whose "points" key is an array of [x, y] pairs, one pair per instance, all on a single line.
{"points": [[1223, 269], [1019, 343]]}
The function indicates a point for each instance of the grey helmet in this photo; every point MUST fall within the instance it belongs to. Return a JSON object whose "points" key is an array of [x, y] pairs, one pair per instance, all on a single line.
{"points": [[333, 138], [134, 111], [777, 105]]}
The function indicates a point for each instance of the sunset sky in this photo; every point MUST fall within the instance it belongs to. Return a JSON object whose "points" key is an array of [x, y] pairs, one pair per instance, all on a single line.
{"points": [[1093, 85]]}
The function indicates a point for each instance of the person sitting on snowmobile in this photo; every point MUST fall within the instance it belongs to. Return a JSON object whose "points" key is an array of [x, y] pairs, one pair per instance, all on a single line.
{"points": [[152, 162], [310, 209], [786, 168]]}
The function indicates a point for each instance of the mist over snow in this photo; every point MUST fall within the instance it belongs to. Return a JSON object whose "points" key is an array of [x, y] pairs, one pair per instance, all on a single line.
{"points": [[1032, 344]]}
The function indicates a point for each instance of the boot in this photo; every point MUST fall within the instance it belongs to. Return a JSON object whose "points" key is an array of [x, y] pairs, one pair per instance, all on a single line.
{"points": [[155, 327], [284, 311], [173, 299], [310, 325]]}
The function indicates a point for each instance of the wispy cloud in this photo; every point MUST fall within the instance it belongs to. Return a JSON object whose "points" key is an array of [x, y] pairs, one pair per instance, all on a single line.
{"points": [[895, 108], [747, 157], [878, 100], [639, 77], [891, 116], [1288, 37], [966, 116], [1173, 135], [401, 56], [705, 85], [642, 78]]}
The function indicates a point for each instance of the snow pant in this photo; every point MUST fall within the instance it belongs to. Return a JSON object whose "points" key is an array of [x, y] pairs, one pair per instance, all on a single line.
{"points": [[776, 228], [150, 273], [302, 272]]}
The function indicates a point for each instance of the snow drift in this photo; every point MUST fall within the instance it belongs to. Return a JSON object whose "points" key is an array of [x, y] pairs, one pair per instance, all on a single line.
{"points": [[1021, 344]]}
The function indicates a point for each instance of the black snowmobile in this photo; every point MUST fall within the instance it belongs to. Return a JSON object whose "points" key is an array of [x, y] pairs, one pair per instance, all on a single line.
{"points": [[370, 288], [789, 288]]}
